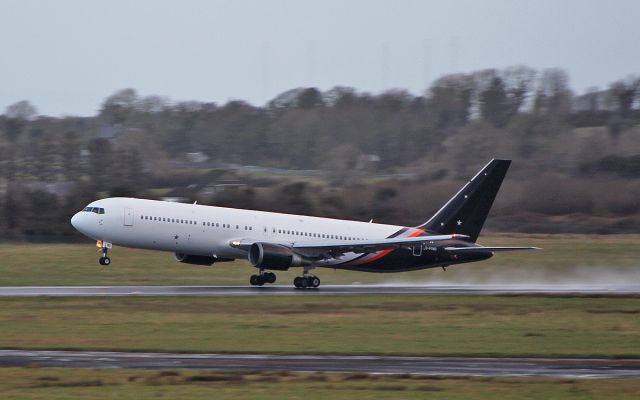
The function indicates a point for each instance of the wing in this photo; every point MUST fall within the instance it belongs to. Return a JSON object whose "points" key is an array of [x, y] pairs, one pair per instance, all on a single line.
{"points": [[481, 249], [338, 247]]}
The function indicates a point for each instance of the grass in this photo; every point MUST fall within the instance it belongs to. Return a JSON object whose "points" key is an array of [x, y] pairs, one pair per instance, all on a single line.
{"points": [[52, 384], [565, 258], [403, 325]]}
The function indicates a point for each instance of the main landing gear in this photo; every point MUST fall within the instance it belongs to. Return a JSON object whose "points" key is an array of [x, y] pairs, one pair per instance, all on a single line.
{"points": [[264, 277], [306, 281], [104, 248]]}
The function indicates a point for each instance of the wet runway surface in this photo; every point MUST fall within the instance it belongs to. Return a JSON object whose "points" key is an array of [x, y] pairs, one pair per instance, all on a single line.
{"points": [[288, 290], [565, 368]]}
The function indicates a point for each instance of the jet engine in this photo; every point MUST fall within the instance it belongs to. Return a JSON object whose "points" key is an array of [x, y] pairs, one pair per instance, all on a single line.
{"points": [[275, 257]]}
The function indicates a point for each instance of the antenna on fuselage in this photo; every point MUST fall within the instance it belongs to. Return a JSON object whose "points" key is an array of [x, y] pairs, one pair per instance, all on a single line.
{"points": [[195, 202]]}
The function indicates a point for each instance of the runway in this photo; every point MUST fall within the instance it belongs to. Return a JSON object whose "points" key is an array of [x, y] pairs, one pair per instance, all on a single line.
{"points": [[436, 366], [289, 290]]}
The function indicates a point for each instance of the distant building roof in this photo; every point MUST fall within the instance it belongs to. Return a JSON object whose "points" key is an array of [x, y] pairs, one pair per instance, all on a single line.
{"points": [[109, 132], [175, 199], [197, 157]]}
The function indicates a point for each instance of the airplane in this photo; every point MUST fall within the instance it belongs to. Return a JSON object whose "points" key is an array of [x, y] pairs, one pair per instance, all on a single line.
{"points": [[204, 235]]}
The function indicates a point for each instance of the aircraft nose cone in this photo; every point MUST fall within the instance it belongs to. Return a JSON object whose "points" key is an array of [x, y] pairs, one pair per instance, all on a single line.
{"points": [[75, 220]]}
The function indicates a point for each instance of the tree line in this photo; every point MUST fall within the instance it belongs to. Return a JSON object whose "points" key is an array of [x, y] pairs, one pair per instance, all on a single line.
{"points": [[391, 145]]}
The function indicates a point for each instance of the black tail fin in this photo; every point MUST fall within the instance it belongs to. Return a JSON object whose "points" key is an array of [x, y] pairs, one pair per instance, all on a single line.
{"points": [[466, 212]]}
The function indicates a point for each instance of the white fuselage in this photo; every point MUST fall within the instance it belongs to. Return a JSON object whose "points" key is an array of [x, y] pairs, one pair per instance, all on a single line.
{"points": [[208, 231]]}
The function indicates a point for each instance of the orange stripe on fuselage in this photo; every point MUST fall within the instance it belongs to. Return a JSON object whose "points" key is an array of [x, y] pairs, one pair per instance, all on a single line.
{"points": [[385, 252]]}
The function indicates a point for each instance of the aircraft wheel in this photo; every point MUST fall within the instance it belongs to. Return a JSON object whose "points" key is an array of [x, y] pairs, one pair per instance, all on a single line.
{"points": [[304, 282], [105, 261], [314, 281], [297, 283], [254, 280], [270, 277]]}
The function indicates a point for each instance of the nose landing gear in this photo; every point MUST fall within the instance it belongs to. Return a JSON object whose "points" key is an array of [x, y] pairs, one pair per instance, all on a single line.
{"points": [[104, 248]]}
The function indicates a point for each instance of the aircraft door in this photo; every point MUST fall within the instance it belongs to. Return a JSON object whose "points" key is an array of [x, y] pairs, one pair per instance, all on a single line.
{"points": [[267, 232], [128, 217]]}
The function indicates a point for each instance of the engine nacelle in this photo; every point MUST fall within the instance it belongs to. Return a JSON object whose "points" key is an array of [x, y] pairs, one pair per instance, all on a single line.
{"points": [[275, 257], [197, 260]]}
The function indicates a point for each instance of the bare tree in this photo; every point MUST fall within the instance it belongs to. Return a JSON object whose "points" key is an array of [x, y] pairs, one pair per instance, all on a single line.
{"points": [[553, 96], [117, 107], [623, 94], [17, 115]]}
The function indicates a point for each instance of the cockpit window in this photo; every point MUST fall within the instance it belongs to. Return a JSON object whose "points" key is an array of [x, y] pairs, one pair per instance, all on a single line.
{"points": [[97, 210]]}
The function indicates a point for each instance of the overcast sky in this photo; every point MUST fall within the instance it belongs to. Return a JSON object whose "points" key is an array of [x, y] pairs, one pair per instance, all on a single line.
{"points": [[67, 56]]}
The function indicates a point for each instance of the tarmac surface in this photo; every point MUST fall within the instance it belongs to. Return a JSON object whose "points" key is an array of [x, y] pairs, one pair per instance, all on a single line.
{"points": [[289, 290], [436, 366]]}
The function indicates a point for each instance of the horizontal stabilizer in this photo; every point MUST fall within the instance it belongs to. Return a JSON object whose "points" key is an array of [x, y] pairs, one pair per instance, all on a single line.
{"points": [[486, 249]]}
